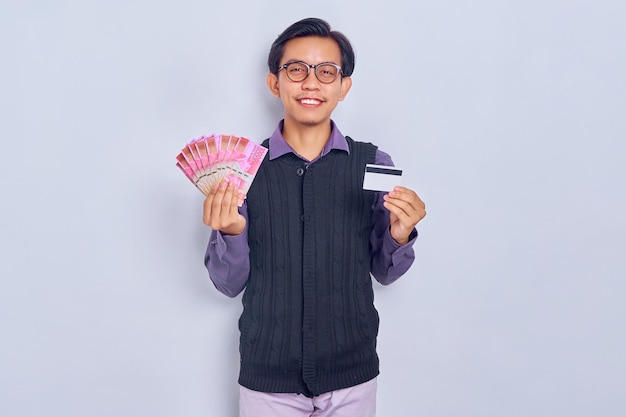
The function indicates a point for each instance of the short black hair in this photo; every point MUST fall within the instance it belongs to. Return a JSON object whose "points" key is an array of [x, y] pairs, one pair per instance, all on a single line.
{"points": [[312, 27]]}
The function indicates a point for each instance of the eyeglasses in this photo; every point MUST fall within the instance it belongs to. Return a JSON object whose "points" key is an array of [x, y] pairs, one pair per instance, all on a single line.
{"points": [[298, 71]]}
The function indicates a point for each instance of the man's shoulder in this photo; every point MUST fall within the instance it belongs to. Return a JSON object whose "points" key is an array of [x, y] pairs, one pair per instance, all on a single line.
{"points": [[380, 157], [354, 142]]}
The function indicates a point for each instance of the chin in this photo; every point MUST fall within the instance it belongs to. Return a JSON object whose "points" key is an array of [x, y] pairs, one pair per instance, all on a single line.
{"points": [[311, 122]]}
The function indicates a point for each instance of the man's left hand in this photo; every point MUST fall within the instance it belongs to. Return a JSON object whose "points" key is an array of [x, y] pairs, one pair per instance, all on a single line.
{"points": [[406, 209]]}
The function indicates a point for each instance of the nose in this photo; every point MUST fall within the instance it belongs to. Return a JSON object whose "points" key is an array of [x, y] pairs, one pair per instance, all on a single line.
{"points": [[311, 81]]}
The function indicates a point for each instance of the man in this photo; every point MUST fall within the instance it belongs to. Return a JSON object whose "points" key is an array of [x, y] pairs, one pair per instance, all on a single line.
{"points": [[305, 241]]}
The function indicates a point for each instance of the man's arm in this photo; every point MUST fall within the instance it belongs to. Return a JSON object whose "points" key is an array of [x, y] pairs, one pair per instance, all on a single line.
{"points": [[226, 256], [394, 217]]}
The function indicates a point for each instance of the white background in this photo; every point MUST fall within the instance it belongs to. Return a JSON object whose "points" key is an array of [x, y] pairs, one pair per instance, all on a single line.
{"points": [[507, 117]]}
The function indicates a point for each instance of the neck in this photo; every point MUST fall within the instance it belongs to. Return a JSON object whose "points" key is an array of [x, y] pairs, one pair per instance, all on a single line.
{"points": [[307, 141]]}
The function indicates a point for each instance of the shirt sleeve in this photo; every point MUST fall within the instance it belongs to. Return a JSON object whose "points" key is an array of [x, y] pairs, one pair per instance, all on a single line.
{"points": [[227, 259], [390, 260]]}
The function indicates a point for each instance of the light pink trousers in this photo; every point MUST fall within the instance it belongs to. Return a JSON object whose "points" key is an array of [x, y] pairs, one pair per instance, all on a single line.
{"points": [[357, 401]]}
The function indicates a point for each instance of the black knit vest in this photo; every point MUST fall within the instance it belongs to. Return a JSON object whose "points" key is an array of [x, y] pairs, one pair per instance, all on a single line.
{"points": [[309, 324]]}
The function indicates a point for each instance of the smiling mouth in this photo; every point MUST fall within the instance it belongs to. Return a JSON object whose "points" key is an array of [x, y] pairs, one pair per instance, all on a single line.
{"points": [[310, 101]]}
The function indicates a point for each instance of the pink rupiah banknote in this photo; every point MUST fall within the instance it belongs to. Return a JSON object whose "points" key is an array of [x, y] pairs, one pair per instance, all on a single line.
{"points": [[209, 160]]}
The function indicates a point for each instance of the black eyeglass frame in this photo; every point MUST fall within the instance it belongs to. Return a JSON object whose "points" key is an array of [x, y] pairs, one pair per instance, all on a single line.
{"points": [[309, 67]]}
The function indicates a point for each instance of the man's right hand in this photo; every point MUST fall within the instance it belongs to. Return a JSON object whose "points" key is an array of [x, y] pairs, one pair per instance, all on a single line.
{"points": [[220, 210]]}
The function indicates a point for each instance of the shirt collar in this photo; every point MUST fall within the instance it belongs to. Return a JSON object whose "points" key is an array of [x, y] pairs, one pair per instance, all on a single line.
{"points": [[280, 147]]}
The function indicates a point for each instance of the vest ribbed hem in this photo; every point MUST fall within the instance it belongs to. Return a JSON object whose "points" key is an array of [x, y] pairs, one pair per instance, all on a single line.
{"points": [[292, 382]]}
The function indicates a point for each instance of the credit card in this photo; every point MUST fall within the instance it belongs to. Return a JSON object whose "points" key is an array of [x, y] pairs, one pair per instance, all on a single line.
{"points": [[381, 177]]}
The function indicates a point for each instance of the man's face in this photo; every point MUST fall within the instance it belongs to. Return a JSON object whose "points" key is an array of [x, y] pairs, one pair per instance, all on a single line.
{"points": [[309, 102]]}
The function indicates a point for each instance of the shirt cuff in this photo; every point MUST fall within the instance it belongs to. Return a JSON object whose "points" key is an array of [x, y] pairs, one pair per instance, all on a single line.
{"points": [[397, 250], [235, 244]]}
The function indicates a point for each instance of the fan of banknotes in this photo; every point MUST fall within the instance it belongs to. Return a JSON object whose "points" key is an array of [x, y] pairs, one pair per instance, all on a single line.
{"points": [[209, 160]]}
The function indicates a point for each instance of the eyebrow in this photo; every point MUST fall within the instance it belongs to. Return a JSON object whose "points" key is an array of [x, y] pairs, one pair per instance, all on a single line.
{"points": [[291, 61]]}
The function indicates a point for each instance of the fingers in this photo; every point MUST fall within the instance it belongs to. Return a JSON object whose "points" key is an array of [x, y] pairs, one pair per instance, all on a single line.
{"points": [[406, 205], [220, 206], [406, 209]]}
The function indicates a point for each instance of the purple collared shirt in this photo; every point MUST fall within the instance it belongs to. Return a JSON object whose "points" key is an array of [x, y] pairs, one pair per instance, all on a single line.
{"points": [[227, 257]]}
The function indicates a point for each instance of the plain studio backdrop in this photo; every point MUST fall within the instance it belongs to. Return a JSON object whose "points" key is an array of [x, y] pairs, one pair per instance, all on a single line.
{"points": [[508, 119]]}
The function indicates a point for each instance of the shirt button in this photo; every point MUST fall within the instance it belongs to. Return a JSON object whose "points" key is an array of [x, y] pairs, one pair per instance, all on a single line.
{"points": [[300, 172]]}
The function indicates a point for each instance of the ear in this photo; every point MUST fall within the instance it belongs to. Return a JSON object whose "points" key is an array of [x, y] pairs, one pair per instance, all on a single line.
{"points": [[346, 83], [272, 84]]}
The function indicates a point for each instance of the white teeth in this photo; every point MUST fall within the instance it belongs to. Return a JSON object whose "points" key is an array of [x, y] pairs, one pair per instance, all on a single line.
{"points": [[309, 101]]}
